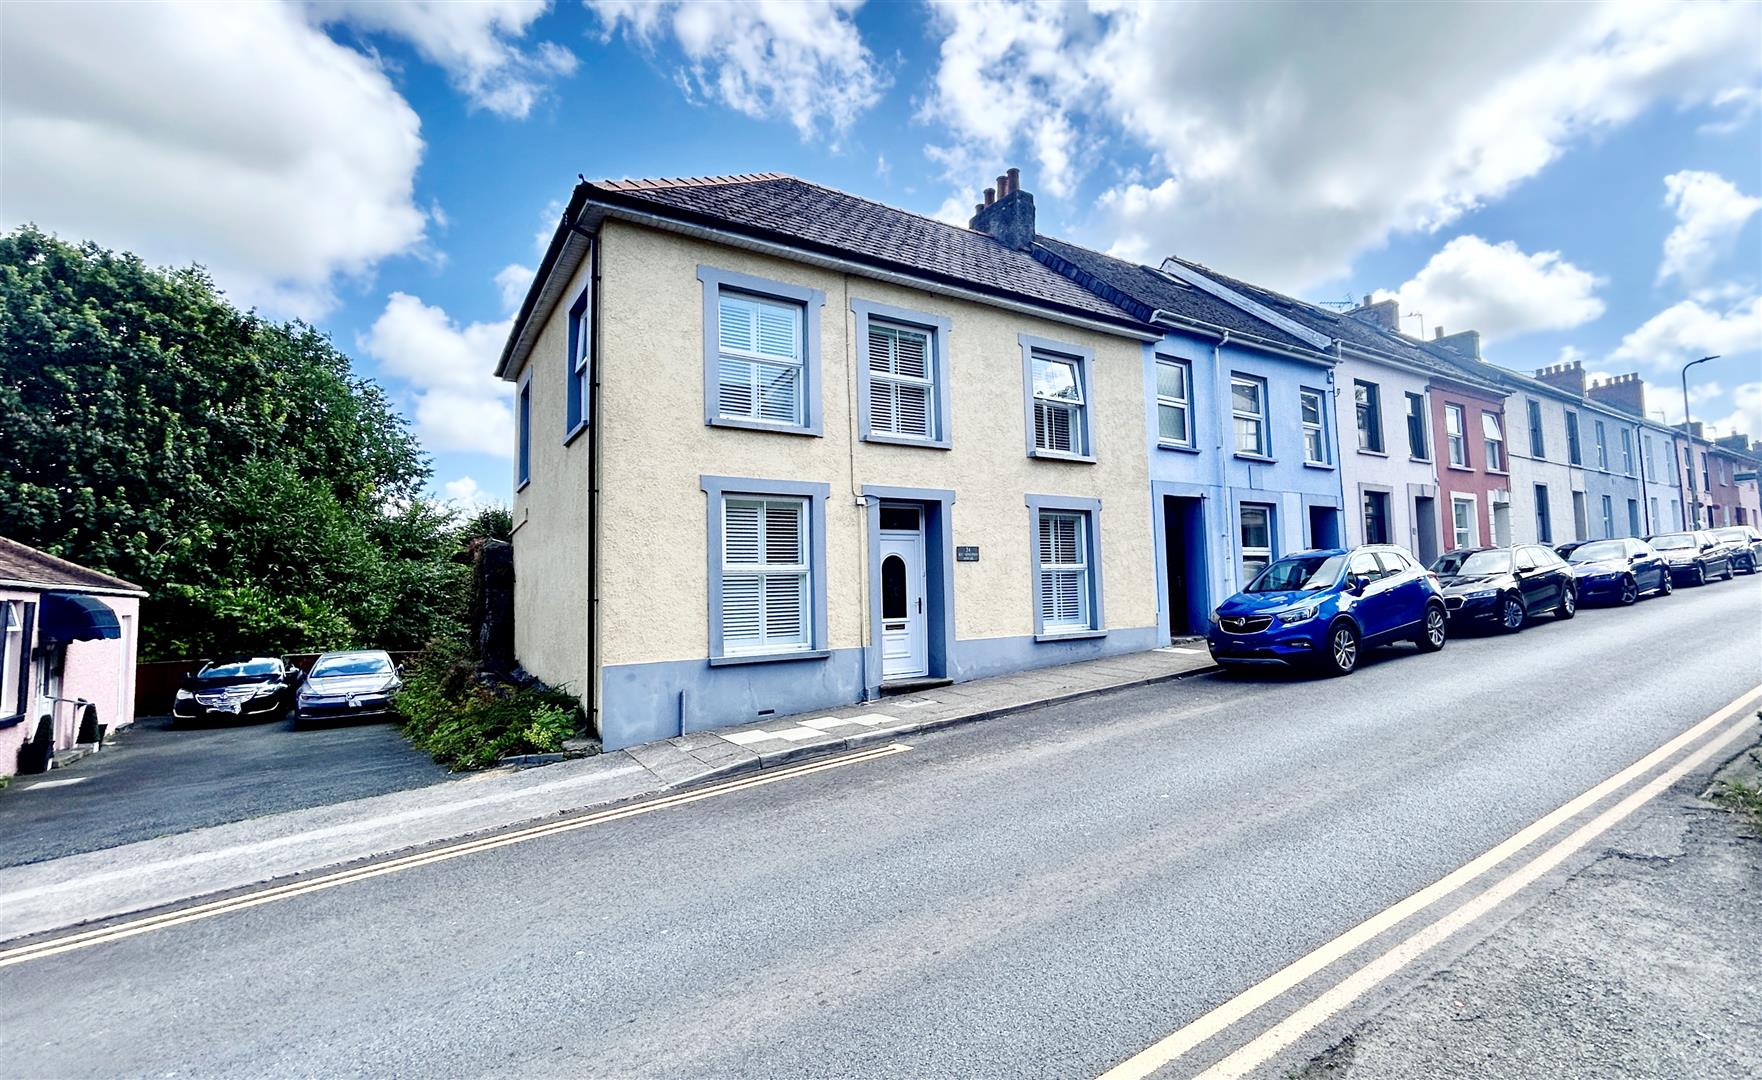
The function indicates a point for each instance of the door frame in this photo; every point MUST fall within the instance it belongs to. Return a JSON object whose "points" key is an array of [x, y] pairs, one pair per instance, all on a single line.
{"points": [[1202, 589], [909, 547], [938, 524]]}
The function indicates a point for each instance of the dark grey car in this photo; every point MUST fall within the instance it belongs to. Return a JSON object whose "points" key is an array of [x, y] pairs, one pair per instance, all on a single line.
{"points": [[1695, 558], [1745, 543], [347, 686]]}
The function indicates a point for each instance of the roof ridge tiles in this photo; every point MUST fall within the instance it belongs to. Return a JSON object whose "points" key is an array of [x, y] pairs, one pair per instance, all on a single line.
{"points": [[662, 182]]}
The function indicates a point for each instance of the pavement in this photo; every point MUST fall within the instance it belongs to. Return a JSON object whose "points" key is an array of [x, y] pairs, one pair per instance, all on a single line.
{"points": [[1043, 896], [155, 780], [181, 813]]}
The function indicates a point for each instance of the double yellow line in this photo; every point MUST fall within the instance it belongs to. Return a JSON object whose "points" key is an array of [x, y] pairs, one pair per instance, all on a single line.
{"points": [[273, 893], [1356, 983]]}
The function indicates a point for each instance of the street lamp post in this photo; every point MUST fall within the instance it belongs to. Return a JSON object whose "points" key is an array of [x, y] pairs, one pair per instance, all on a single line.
{"points": [[1694, 497]]}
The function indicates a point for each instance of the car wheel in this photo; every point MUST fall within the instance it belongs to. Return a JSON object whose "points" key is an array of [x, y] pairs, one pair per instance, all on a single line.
{"points": [[1511, 614], [1667, 584], [1728, 574], [1568, 604], [1630, 591], [1700, 574], [1437, 629], [1341, 656]]}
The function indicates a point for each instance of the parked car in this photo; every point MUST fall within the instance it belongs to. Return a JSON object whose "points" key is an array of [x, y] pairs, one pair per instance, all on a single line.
{"points": [[1324, 608], [259, 687], [1565, 550], [347, 685], [1694, 557], [1619, 570], [1746, 544], [1506, 586]]}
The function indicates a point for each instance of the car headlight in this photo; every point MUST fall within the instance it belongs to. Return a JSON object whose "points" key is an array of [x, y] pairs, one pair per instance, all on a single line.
{"points": [[1297, 615], [185, 695], [1480, 594], [1214, 619]]}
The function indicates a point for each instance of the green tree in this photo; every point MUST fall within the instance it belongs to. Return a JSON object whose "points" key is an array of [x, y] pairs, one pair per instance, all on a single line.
{"points": [[233, 466]]}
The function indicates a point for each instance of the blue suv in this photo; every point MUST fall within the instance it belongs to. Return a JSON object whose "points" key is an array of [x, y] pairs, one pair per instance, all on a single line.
{"points": [[1324, 608]]}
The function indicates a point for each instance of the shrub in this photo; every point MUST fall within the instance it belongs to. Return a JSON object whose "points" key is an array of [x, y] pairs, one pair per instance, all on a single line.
{"points": [[465, 723]]}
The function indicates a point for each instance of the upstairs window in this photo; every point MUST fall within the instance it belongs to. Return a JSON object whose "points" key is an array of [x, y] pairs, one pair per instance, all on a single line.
{"points": [[1369, 401], [1453, 434], [1248, 413], [902, 385], [1174, 401], [1495, 440], [1059, 402], [1602, 446], [1315, 431], [1627, 451], [1574, 454], [578, 390], [1417, 444], [1538, 448], [760, 363], [523, 433]]}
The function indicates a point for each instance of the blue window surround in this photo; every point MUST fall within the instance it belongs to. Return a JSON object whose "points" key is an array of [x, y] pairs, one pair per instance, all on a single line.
{"points": [[938, 574], [811, 300], [579, 397], [1091, 507], [937, 326], [717, 487], [523, 431], [1085, 359]]}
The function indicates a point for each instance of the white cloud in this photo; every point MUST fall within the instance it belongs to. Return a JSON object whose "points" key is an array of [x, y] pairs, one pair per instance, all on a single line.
{"points": [[1687, 330], [1499, 290], [1666, 397], [1710, 213], [804, 62], [1336, 126], [1746, 414], [472, 40], [513, 281], [236, 135], [459, 404], [466, 494]]}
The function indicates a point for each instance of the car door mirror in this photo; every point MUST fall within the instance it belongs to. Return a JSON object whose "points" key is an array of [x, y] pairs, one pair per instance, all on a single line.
{"points": [[1358, 584]]}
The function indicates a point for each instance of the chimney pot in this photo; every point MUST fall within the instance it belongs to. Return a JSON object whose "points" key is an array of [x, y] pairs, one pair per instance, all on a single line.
{"points": [[1002, 186], [1007, 214], [1437, 331], [1015, 178], [990, 196]]}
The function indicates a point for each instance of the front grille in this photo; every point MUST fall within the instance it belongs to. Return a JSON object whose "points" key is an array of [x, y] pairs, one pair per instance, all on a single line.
{"points": [[1246, 624]]}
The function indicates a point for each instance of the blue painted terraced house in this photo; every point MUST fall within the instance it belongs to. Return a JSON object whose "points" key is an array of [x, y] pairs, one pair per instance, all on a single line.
{"points": [[1240, 427]]}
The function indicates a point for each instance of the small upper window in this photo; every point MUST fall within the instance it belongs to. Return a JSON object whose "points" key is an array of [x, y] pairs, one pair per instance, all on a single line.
{"points": [[1174, 401], [1368, 398], [902, 383], [1315, 434], [1453, 433], [1058, 404], [1495, 441], [1248, 413], [761, 364]]}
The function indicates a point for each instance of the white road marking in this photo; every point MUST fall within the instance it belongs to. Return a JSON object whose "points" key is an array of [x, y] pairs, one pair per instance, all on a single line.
{"points": [[1227, 1014], [54, 783]]}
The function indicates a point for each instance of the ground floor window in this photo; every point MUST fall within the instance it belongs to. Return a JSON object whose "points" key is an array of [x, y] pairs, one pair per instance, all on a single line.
{"points": [[1463, 533], [1257, 540], [765, 575], [1580, 521], [1633, 517], [1376, 517], [1067, 584], [1544, 527], [1608, 517]]}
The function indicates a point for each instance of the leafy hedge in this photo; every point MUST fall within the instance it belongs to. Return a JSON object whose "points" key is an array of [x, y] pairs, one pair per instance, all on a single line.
{"points": [[467, 724]]}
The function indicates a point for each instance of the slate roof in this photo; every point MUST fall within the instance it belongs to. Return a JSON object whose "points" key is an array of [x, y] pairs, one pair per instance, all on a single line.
{"points": [[1143, 290], [805, 215], [30, 566]]}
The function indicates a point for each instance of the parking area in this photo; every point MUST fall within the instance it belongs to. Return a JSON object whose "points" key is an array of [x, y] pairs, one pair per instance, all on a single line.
{"points": [[159, 779]]}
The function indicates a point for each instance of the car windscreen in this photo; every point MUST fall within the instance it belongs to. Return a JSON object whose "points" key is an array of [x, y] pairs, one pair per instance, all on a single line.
{"points": [[1736, 536], [232, 669], [1597, 552], [1302, 573], [332, 666], [1474, 564], [1674, 542]]}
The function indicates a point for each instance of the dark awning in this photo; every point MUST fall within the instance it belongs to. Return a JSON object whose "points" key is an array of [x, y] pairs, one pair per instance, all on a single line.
{"points": [[69, 616]]}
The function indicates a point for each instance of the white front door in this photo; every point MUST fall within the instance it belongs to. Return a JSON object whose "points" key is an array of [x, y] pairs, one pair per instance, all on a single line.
{"points": [[905, 652]]}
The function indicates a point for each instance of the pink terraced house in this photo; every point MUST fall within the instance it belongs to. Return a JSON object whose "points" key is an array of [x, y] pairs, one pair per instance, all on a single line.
{"points": [[68, 637]]}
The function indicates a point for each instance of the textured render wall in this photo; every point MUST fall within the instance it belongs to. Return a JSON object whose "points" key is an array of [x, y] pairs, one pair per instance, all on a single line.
{"points": [[654, 586], [1474, 480], [551, 586], [1396, 469]]}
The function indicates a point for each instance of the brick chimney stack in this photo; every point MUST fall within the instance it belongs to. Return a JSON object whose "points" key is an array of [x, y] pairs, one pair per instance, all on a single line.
{"points": [[1007, 214], [1569, 376], [1384, 313], [1625, 392], [1463, 342]]}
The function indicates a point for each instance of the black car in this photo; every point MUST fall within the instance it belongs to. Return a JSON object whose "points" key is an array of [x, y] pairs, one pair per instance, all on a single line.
{"points": [[258, 687], [1695, 558], [1565, 550], [1619, 571], [1506, 586], [347, 686], [1746, 546]]}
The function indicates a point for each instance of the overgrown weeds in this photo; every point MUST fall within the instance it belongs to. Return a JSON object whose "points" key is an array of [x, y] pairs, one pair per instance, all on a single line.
{"points": [[466, 721]]}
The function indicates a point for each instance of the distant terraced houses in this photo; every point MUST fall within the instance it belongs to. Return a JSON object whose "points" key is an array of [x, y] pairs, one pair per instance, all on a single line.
{"points": [[782, 448]]}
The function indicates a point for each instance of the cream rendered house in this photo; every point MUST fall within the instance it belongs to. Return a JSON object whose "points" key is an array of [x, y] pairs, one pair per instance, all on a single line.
{"points": [[782, 449]]}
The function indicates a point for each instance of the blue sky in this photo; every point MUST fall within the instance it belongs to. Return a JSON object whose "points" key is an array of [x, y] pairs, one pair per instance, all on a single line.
{"points": [[1575, 181]]}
